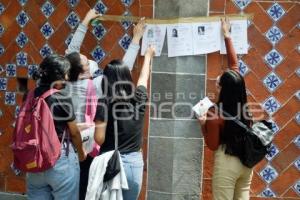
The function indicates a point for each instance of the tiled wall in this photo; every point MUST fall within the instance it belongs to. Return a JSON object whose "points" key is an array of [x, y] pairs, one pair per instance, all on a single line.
{"points": [[272, 71], [30, 30]]}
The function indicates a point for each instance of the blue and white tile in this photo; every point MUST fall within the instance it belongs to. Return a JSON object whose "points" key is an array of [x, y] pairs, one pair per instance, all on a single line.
{"points": [[297, 118], [273, 58], [21, 58], [22, 2], [274, 34], [124, 42], [297, 141], [2, 49], [271, 105], [275, 128], [47, 9], [243, 68], [298, 71], [272, 81], [296, 187], [127, 3], [126, 24], [297, 163], [276, 12], [268, 174], [73, 3], [100, 7], [68, 40], [10, 98], [98, 54], [22, 19], [2, 29], [273, 151], [47, 30], [268, 193], [17, 111], [298, 95], [45, 51], [31, 69], [97, 73], [11, 70], [73, 19], [241, 4], [22, 39], [2, 8], [298, 48], [1, 69], [3, 84], [99, 31]]}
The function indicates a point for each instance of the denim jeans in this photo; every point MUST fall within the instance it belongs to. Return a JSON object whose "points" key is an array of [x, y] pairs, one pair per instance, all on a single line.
{"points": [[60, 182], [133, 165]]}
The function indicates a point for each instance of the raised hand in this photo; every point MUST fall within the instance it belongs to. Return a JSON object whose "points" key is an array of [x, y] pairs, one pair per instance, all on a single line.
{"points": [[138, 31], [225, 26], [91, 14], [150, 52]]}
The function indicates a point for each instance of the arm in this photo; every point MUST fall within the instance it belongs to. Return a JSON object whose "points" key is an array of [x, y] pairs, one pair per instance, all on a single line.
{"points": [[76, 139], [100, 130], [133, 49], [145, 72], [231, 55], [81, 30]]}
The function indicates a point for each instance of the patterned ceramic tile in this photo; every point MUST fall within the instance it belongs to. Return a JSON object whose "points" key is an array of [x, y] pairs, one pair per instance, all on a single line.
{"points": [[271, 105], [47, 30], [2, 8], [297, 141], [2, 29], [241, 4], [298, 71], [275, 127], [276, 11], [297, 118], [124, 42], [273, 58], [11, 70], [98, 54], [73, 3], [274, 34], [2, 50], [22, 39], [73, 19], [31, 70], [22, 2], [272, 81], [68, 40], [3, 83], [10, 98], [297, 187], [243, 68], [21, 59], [22, 19], [45, 50], [297, 164], [99, 31], [97, 73], [298, 94], [267, 193], [1, 69], [127, 3], [273, 151], [100, 7], [126, 24], [17, 111], [268, 174], [47, 8]]}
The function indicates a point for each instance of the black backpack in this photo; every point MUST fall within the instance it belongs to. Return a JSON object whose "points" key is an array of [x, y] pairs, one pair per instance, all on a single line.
{"points": [[256, 141]]}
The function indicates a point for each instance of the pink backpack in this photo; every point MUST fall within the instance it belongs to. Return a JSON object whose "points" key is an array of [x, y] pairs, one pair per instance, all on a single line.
{"points": [[36, 146], [90, 112]]}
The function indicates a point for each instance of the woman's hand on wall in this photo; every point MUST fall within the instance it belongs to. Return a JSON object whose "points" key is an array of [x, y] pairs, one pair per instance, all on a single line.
{"points": [[138, 31], [225, 27], [91, 14]]}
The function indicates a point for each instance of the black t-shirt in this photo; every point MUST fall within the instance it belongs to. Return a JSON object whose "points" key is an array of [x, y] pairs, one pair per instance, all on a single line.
{"points": [[61, 107], [130, 117]]}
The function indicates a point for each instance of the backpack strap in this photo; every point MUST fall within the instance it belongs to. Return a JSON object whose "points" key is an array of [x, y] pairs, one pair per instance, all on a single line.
{"points": [[48, 93]]}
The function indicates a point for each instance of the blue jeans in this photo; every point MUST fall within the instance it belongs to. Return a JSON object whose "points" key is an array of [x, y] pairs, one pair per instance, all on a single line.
{"points": [[61, 182], [133, 165]]}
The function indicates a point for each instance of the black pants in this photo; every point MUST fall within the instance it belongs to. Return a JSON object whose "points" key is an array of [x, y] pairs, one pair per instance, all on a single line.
{"points": [[84, 176]]}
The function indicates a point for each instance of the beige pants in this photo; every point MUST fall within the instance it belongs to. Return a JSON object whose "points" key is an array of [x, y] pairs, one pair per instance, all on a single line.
{"points": [[231, 179]]}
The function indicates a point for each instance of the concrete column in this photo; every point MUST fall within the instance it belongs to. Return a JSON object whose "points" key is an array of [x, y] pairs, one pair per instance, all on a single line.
{"points": [[175, 155]]}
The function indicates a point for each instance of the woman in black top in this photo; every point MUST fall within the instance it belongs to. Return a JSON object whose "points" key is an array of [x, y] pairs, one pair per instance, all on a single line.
{"points": [[125, 104]]}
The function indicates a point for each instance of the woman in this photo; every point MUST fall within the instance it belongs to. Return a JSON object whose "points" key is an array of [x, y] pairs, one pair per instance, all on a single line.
{"points": [[126, 105], [61, 181], [81, 70], [231, 179]]}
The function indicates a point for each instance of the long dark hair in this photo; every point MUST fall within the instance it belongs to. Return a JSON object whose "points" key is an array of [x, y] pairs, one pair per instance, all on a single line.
{"points": [[114, 72], [53, 68], [233, 100], [76, 66]]}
